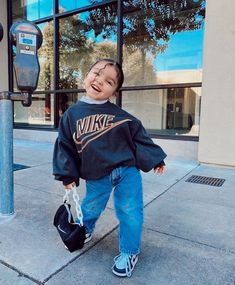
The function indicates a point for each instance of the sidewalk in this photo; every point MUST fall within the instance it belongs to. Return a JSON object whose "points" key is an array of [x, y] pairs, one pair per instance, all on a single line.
{"points": [[188, 237]]}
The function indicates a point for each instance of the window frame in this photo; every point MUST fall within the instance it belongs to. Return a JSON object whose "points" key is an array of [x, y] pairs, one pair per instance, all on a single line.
{"points": [[55, 17]]}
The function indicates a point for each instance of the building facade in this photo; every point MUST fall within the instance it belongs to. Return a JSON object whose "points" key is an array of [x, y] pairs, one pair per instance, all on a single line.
{"points": [[176, 56]]}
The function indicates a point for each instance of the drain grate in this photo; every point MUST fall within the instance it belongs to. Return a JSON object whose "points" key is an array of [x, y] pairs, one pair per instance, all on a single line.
{"points": [[19, 166], [218, 182]]}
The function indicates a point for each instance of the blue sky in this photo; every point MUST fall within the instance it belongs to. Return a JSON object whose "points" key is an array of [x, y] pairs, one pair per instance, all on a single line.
{"points": [[184, 49], [68, 5], [184, 52]]}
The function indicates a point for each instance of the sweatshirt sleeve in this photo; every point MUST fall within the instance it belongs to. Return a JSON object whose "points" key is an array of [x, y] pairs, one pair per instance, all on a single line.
{"points": [[65, 156], [147, 153]]}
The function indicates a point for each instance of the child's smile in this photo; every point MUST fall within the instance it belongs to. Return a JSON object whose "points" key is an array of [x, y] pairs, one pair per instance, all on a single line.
{"points": [[95, 88]]}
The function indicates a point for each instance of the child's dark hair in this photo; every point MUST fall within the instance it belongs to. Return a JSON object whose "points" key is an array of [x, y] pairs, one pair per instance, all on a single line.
{"points": [[117, 67]]}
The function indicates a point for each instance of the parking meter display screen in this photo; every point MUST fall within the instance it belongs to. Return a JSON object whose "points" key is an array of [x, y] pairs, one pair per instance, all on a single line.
{"points": [[27, 39]]}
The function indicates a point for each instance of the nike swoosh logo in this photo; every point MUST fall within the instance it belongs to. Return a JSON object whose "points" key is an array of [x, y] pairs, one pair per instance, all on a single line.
{"points": [[59, 228], [97, 134]]}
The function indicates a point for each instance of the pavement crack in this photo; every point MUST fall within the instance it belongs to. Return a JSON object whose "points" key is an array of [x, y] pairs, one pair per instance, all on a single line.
{"points": [[20, 273], [79, 255], [192, 241], [28, 188]]}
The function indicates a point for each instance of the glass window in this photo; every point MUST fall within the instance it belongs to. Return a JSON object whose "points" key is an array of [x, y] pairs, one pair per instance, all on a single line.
{"points": [[41, 112], [46, 58], [65, 5], [66, 100], [166, 111], [84, 38], [163, 42], [31, 9]]}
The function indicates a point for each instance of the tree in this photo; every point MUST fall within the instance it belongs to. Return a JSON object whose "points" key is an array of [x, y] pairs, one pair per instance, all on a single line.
{"points": [[46, 58], [73, 49], [148, 25]]}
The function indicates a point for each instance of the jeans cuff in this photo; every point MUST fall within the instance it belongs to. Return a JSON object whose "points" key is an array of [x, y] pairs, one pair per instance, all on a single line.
{"points": [[130, 252]]}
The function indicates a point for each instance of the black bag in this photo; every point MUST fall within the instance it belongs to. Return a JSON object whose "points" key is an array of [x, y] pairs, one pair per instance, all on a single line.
{"points": [[71, 233]]}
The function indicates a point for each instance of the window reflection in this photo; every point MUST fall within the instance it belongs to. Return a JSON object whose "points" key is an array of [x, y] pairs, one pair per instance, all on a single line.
{"points": [[32, 9], [66, 100], [166, 111], [41, 112], [45, 55], [163, 41], [84, 39], [65, 5], [162, 45]]}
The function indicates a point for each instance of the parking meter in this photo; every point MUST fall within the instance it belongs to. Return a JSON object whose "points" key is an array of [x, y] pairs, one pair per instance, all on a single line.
{"points": [[1, 32], [27, 38]]}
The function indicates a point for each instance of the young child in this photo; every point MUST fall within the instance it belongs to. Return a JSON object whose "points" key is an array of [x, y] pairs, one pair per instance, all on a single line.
{"points": [[106, 146]]}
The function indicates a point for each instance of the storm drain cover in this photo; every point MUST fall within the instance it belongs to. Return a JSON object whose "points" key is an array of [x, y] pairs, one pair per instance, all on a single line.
{"points": [[19, 167], [218, 182]]}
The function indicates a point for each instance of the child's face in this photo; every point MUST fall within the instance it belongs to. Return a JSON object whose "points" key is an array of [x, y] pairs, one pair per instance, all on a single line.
{"points": [[101, 81]]}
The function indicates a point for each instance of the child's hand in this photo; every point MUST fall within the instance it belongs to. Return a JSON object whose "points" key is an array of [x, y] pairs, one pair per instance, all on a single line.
{"points": [[160, 170], [70, 186]]}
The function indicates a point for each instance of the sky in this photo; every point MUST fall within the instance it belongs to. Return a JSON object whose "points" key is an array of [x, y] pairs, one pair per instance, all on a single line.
{"points": [[184, 52], [184, 49]]}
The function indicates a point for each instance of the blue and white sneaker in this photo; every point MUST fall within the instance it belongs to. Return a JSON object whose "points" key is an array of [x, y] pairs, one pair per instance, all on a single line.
{"points": [[88, 237], [124, 264]]}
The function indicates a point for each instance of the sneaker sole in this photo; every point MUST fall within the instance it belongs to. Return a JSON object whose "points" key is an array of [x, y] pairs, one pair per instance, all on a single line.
{"points": [[124, 274]]}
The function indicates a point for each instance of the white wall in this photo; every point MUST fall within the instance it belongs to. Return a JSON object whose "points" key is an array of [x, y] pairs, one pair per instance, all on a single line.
{"points": [[217, 124], [3, 48], [178, 148]]}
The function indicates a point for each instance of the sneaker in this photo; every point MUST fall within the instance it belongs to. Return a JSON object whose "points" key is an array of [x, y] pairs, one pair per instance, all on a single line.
{"points": [[124, 264], [88, 237]]}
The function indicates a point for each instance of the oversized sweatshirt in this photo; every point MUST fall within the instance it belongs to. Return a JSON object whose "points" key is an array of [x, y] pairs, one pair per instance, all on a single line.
{"points": [[94, 139]]}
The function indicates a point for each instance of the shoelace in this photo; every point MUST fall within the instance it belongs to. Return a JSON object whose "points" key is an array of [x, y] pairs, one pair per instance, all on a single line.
{"points": [[126, 259]]}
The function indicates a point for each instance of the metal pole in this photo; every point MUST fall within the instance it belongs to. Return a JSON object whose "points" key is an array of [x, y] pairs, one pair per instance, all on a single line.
{"points": [[6, 158]]}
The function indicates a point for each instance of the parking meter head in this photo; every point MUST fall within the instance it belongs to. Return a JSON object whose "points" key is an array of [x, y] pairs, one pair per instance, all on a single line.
{"points": [[1, 32], [27, 38], [24, 26]]}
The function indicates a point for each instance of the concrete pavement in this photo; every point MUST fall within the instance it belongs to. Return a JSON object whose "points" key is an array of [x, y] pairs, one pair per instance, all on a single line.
{"points": [[188, 236]]}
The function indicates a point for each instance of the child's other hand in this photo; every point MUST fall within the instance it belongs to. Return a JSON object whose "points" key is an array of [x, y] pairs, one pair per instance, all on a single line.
{"points": [[160, 170], [69, 186]]}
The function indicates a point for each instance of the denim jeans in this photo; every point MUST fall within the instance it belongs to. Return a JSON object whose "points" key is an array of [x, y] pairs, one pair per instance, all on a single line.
{"points": [[126, 183]]}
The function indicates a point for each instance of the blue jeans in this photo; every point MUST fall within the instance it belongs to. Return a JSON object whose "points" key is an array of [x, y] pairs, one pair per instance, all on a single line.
{"points": [[126, 183]]}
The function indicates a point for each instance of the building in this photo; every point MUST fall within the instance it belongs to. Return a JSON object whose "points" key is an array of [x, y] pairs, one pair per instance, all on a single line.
{"points": [[177, 57]]}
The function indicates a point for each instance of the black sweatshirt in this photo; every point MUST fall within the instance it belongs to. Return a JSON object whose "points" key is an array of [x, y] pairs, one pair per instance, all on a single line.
{"points": [[94, 139]]}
